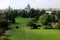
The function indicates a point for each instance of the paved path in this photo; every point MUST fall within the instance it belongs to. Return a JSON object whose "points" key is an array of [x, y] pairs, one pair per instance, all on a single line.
{"points": [[7, 32]]}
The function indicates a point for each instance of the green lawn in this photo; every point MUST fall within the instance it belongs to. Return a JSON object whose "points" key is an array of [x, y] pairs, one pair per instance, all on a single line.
{"points": [[24, 33]]}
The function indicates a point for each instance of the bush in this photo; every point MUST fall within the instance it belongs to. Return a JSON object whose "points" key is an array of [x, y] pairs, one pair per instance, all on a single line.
{"points": [[4, 38], [48, 27], [3, 24], [39, 25], [34, 26], [30, 23], [34, 20], [58, 26], [2, 31]]}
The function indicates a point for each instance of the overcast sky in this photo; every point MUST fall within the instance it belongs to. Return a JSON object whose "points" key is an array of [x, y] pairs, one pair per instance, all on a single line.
{"points": [[20, 4]]}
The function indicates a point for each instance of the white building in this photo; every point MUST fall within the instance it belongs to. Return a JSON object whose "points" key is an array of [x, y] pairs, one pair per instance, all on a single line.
{"points": [[49, 12]]}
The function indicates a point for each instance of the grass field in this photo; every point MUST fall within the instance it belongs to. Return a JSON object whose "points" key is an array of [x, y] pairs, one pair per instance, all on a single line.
{"points": [[24, 33]]}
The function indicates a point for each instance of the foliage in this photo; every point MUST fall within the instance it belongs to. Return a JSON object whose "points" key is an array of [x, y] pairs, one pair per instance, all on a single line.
{"points": [[58, 14], [53, 13], [43, 18], [57, 26], [3, 24], [23, 13], [43, 11], [15, 12], [34, 20], [32, 13], [32, 24]]}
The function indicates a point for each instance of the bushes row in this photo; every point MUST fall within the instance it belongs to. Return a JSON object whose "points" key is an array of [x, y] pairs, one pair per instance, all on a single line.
{"points": [[48, 21], [33, 25]]}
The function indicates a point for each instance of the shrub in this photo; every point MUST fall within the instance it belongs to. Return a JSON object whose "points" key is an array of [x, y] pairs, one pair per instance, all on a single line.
{"points": [[3, 24], [48, 27], [39, 25], [30, 23], [34, 26], [58, 26], [34, 20]]}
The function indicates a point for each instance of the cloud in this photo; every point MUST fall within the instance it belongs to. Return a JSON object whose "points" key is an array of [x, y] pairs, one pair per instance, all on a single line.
{"points": [[18, 4], [34, 3], [54, 0], [4, 4], [47, 4]]}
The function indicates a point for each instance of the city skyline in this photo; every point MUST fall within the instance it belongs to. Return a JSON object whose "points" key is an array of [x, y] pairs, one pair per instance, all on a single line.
{"points": [[21, 4]]}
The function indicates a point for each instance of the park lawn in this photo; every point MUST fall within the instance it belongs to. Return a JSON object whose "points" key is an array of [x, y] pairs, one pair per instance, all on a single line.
{"points": [[19, 34], [43, 34], [24, 33]]}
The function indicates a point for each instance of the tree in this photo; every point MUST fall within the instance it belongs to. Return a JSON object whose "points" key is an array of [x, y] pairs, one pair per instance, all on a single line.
{"points": [[51, 19], [24, 14], [15, 12], [53, 13], [12, 18], [43, 11], [43, 18], [58, 14], [3, 24], [31, 13], [32, 24], [34, 13]]}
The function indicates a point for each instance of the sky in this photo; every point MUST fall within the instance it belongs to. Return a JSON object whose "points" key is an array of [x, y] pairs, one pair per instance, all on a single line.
{"points": [[21, 4]]}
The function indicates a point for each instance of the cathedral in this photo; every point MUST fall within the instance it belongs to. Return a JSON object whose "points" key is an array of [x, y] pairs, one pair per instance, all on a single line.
{"points": [[27, 8]]}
